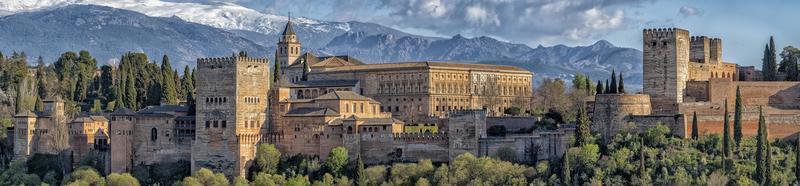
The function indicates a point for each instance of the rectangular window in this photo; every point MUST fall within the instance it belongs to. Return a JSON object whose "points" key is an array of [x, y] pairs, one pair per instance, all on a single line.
{"points": [[224, 124], [216, 124], [208, 124]]}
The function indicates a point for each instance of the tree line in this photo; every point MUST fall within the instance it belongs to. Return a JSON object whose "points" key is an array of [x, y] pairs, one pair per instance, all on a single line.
{"points": [[134, 83]]}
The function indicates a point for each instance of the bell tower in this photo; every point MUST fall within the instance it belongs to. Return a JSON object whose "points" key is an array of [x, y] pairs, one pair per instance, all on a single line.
{"points": [[288, 46]]}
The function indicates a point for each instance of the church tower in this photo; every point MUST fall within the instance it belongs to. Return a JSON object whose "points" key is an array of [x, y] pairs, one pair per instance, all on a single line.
{"points": [[288, 46]]}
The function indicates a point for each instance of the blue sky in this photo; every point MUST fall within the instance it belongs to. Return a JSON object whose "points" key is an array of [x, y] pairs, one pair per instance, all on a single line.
{"points": [[744, 26]]}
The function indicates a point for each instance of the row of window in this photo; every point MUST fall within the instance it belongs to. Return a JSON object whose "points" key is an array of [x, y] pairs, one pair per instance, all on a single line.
{"points": [[217, 124], [216, 100], [248, 99], [358, 108]]}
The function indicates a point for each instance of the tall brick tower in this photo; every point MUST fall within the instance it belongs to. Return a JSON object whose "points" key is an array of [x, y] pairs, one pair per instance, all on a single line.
{"points": [[288, 46], [231, 113], [666, 60]]}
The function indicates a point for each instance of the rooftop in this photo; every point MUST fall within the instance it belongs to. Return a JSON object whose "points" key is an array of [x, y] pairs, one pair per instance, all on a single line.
{"points": [[428, 65], [312, 112], [344, 95]]}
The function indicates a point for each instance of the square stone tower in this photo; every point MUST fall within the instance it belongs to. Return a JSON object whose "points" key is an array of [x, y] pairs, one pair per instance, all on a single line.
{"points": [[231, 113], [666, 60]]}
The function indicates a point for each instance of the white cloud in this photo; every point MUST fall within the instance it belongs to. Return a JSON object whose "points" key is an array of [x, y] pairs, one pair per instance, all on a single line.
{"points": [[687, 11]]}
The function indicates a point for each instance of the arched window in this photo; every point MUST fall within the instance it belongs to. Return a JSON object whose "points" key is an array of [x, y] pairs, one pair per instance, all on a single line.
{"points": [[153, 134]]}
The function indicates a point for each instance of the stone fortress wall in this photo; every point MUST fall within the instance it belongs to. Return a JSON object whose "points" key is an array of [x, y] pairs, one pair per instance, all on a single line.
{"points": [[685, 75]]}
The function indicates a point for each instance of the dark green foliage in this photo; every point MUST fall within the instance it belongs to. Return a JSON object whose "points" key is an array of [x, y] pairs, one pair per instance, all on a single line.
{"points": [[727, 143], [607, 89], [583, 135], [695, 134], [164, 173], [187, 83], [361, 175], [613, 89], [337, 159], [276, 71], [797, 159], [267, 159], [514, 111], [599, 88], [621, 86], [737, 118], [769, 64], [497, 130], [762, 148], [169, 94]]}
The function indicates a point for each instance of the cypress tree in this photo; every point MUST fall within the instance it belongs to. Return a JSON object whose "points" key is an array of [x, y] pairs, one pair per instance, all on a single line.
{"points": [[583, 135], [360, 174], [607, 88], [797, 158], [276, 76], [762, 146], [642, 167], [791, 68], [695, 134], [769, 64], [737, 118], [187, 84], [613, 89], [726, 135], [306, 70], [599, 88], [566, 173], [39, 107], [621, 84], [588, 84], [168, 92], [130, 93]]}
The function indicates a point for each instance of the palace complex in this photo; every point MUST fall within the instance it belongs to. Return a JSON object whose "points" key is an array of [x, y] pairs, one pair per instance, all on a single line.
{"points": [[396, 112], [307, 105]]}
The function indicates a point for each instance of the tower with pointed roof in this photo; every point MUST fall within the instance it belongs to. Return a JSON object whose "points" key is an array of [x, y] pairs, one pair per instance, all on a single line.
{"points": [[288, 46]]}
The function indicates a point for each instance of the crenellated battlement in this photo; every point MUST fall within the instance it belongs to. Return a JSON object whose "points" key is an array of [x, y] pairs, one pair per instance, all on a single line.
{"points": [[231, 60], [432, 137], [663, 32]]}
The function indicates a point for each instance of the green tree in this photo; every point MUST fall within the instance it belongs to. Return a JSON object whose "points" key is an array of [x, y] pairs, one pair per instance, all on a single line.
{"points": [[506, 153], [583, 135], [621, 86], [240, 181], [613, 89], [762, 148], [267, 159], [169, 93], [727, 143], [123, 179], [86, 175], [337, 160], [276, 75], [298, 180], [131, 93], [769, 66], [514, 111], [422, 182], [187, 84], [737, 118], [797, 159], [607, 89], [206, 177], [695, 134], [361, 174], [599, 88]]}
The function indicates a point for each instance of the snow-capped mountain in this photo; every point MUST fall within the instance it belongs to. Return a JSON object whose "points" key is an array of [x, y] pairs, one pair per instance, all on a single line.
{"points": [[237, 19], [108, 33], [231, 27]]}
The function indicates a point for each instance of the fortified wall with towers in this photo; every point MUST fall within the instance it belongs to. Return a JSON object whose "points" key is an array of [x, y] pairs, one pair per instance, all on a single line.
{"points": [[684, 75]]}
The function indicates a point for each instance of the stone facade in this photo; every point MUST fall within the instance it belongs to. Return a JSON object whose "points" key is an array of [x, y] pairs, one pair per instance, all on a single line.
{"points": [[36, 132], [231, 112], [82, 131], [611, 110]]}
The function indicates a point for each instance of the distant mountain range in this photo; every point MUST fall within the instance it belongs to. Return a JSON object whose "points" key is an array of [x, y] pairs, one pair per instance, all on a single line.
{"points": [[156, 28]]}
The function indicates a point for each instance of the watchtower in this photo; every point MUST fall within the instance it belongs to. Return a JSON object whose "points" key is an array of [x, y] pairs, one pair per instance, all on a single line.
{"points": [[231, 112], [666, 59]]}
